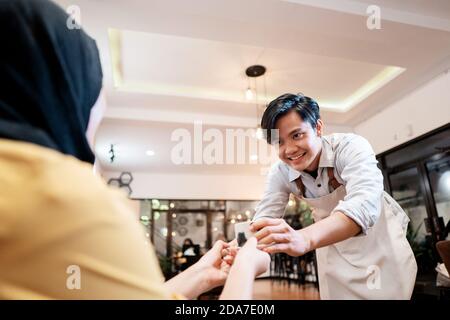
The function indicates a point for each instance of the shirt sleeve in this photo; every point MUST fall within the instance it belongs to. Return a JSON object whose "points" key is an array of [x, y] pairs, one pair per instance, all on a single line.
{"points": [[357, 166], [275, 196]]}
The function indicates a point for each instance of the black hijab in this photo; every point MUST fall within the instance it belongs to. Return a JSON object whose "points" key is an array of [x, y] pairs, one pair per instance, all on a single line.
{"points": [[50, 77]]}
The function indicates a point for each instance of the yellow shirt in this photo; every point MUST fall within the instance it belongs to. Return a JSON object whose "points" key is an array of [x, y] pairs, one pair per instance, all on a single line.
{"points": [[62, 228]]}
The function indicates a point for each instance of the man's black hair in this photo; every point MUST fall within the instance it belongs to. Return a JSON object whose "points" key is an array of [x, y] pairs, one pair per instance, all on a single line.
{"points": [[307, 109]]}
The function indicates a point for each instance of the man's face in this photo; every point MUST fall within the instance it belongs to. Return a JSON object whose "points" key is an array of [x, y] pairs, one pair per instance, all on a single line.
{"points": [[299, 143]]}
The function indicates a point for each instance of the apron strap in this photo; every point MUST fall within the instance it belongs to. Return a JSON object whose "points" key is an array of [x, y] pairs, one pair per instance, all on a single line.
{"points": [[332, 182], [300, 185]]}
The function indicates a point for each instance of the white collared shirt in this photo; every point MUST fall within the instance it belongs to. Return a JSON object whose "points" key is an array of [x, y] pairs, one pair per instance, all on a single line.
{"points": [[355, 167]]}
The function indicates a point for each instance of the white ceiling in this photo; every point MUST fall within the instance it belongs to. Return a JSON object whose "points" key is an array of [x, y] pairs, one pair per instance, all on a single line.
{"points": [[157, 137], [214, 70], [176, 61], [439, 9]]}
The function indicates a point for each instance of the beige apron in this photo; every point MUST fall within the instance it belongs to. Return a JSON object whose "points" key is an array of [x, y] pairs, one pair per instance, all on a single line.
{"points": [[379, 265]]}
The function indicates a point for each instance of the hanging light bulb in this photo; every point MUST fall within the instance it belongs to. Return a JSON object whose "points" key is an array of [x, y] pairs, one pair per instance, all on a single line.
{"points": [[249, 94], [253, 72]]}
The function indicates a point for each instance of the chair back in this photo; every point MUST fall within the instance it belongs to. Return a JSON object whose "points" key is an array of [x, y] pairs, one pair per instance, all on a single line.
{"points": [[443, 248]]}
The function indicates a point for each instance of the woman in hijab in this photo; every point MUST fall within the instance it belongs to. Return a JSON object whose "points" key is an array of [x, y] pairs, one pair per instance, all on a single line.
{"points": [[63, 233]]}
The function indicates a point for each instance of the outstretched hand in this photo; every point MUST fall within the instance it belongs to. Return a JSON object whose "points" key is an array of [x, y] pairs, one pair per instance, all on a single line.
{"points": [[276, 235], [250, 254], [215, 269]]}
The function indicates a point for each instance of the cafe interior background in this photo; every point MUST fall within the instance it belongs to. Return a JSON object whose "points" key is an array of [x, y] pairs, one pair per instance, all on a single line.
{"points": [[170, 64]]}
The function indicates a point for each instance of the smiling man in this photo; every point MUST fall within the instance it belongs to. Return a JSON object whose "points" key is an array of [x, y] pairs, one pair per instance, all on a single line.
{"points": [[359, 232]]}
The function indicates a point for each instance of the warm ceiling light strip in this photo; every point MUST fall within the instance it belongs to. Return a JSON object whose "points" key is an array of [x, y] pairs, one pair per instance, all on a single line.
{"points": [[381, 79], [115, 50], [377, 82]]}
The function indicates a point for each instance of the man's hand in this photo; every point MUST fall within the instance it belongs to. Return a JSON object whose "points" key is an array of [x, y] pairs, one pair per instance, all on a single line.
{"points": [[275, 235]]}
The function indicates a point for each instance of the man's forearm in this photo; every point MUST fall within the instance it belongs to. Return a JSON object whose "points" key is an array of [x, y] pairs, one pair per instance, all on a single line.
{"points": [[335, 228]]}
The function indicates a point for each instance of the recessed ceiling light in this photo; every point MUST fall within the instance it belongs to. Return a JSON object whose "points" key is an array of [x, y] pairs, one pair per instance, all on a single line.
{"points": [[150, 152]]}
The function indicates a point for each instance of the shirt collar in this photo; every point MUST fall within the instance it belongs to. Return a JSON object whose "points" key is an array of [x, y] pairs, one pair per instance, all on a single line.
{"points": [[326, 160]]}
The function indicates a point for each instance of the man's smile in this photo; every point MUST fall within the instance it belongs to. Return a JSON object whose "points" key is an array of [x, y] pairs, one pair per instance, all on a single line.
{"points": [[296, 157]]}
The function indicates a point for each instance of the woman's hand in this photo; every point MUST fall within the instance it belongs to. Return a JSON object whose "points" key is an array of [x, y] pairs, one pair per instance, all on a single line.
{"points": [[209, 272], [275, 235], [249, 263], [249, 254], [230, 252], [213, 267]]}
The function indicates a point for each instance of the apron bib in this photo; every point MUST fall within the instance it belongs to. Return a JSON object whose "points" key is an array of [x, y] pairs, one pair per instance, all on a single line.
{"points": [[378, 265]]}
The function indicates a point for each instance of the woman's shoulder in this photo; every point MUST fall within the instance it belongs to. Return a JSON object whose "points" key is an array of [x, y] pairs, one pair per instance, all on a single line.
{"points": [[37, 179], [48, 198], [32, 168]]}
